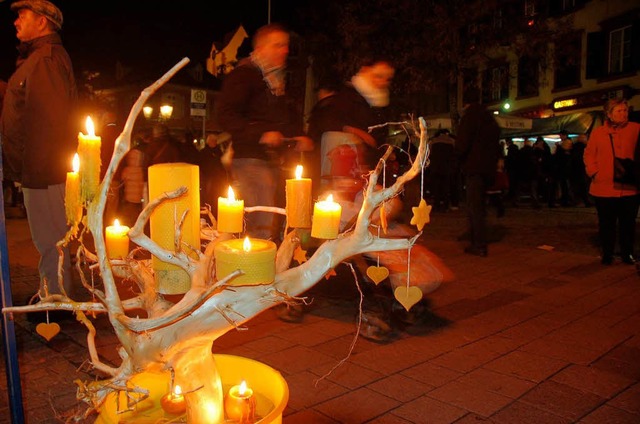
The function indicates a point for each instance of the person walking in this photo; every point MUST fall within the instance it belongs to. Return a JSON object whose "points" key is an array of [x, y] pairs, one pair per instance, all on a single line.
{"points": [[441, 169], [616, 202], [478, 148], [255, 108], [38, 131]]}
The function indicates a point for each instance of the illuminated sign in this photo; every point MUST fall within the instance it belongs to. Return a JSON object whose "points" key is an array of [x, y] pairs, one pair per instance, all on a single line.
{"points": [[564, 103]]}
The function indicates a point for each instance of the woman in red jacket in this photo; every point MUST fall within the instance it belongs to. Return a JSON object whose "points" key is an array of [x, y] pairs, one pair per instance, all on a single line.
{"points": [[616, 203]]}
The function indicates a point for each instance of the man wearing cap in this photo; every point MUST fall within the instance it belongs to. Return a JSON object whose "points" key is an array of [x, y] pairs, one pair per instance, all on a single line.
{"points": [[37, 130]]}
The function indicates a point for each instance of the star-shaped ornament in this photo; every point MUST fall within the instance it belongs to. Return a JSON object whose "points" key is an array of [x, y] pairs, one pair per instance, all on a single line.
{"points": [[300, 255], [331, 273], [421, 214]]}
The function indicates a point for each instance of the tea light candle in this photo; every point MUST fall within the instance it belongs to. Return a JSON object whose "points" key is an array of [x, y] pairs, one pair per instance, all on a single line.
{"points": [[174, 402], [256, 257], [230, 213], [117, 240], [298, 194], [89, 152], [240, 404], [326, 219], [72, 201]]}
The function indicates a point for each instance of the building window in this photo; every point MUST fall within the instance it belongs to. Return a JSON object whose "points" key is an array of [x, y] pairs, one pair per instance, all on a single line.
{"points": [[620, 50], [495, 84], [529, 8], [497, 19], [567, 62], [528, 77]]}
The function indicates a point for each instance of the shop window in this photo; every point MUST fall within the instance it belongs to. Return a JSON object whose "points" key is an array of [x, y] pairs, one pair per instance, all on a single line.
{"points": [[528, 77]]}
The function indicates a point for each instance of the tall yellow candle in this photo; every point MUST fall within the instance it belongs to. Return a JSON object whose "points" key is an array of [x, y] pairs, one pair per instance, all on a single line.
{"points": [[326, 219], [255, 257], [230, 213], [89, 152], [298, 194], [117, 240], [72, 201], [166, 177]]}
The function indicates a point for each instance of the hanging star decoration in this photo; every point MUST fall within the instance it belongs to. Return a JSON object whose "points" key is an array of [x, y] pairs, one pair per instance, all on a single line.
{"points": [[300, 255], [421, 214], [331, 273]]}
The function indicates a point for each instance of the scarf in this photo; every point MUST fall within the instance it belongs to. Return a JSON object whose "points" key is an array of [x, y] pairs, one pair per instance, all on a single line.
{"points": [[272, 75], [374, 96]]}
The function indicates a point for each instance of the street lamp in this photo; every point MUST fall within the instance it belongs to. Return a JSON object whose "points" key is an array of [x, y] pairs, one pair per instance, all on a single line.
{"points": [[165, 112], [147, 111]]}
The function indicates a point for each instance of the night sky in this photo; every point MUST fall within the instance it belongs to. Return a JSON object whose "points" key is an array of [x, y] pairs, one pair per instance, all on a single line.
{"points": [[158, 33]]}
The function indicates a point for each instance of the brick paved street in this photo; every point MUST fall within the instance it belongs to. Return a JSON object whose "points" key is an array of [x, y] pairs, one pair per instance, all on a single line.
{"points": [[526, 335]]}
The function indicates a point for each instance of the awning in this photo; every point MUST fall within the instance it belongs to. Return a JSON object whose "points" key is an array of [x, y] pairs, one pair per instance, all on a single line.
{"points": [[575, 123], [514, 122]]}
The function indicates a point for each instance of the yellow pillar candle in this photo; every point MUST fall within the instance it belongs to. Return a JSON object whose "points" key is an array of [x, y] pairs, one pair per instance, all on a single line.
{"points": [[89, 152], [167, 177], [326, 219], [240, 404], [117, 240], [298, 193], [256, 257], [230, 213], [72, 202]]}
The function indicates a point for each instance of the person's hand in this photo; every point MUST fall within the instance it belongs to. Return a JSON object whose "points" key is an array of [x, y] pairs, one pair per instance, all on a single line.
{"points": [[272, 138], [303, 144]]}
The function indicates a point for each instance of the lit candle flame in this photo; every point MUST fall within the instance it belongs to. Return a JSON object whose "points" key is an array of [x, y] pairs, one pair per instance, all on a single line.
{"points": [[177, 390], [91, 131], [298, 172], [246, 246], [116, 223], [75, 163], [329, 198], [231, 196], [243, 388]]}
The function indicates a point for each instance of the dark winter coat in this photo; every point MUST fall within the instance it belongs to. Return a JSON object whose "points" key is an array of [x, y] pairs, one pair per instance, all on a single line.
{"points": [[478, 142]]}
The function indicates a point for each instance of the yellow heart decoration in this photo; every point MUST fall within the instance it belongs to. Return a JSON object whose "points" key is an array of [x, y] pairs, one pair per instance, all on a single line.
{"points": [[377, 273], [48, 331], [408, 296]]}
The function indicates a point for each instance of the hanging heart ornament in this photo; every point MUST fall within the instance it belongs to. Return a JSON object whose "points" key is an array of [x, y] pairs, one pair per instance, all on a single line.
{"points": [[408, 296], [48, 330], [377, 273]]}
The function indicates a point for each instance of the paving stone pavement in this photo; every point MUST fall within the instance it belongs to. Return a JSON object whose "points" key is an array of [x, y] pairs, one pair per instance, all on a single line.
{"points": [[537, 332]]}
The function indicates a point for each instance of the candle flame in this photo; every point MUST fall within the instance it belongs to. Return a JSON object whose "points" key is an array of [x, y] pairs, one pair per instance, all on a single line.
{"points": [[177, 390], [298, 172], [230, 195], [243, 388], [91, 131], [75, 163], [330, 198], [246, 246], [116, 223]]}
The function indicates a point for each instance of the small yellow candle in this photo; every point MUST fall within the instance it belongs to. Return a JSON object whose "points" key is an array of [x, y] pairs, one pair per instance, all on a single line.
{"points": [[174, 402], [117, 240], [72, 202], [256, 257], [326, 219], [89, 151], [240, 404], [230, 213], [298, 194]]}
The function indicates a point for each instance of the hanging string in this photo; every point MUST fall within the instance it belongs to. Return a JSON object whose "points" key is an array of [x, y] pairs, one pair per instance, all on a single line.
{"points": [[409, 265]]}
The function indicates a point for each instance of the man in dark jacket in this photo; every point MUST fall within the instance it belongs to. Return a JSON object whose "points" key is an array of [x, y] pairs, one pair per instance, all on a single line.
{"points": [[477, 146], [255, 109], [38, 135]]}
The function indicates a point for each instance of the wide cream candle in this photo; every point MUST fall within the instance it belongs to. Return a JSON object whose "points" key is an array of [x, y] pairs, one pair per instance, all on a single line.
{"points": [[326, 219], [255, 257], [298, 194]]}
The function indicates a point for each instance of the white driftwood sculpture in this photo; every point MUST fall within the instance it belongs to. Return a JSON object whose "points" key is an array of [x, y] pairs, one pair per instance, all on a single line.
{"points": [[180, 336]]}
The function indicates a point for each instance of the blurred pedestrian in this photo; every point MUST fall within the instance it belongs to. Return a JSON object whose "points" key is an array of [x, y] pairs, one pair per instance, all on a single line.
{"points": [[562, 171], [579, 178], [38, 131], [616, 203], [441, 167], [542, 169], [478, 147], [256, 109]]}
